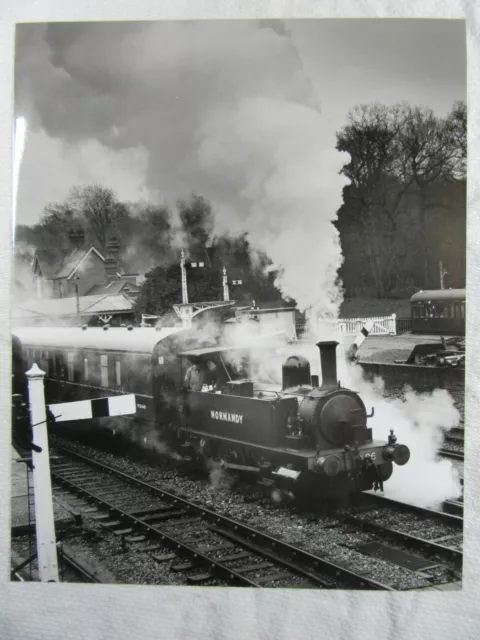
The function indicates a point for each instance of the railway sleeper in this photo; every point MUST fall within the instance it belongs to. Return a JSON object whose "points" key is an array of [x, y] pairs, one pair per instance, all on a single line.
{"points": [[139, 538], [184, 566], [273, 577], [164, 516], [236, 556], [191, 533], [166, 557], [122, 532], [253, 567], [109, 524], [143, 513], [101, 516], [199, 578], [177, 522], [148, 548], [192, 539], [111, 494], [218, 547], [161, 515]]}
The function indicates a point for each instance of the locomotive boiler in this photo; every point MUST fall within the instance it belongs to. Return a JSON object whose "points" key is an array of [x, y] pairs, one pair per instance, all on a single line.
{"points": [[309, 438]]}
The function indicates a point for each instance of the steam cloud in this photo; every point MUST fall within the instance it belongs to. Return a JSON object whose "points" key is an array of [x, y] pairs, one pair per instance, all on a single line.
{"points": [[418, 420], [254, 143]]}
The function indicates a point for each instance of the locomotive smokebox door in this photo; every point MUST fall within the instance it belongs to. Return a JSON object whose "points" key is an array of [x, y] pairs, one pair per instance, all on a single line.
{"points": [[328, 358], [295, 372]]}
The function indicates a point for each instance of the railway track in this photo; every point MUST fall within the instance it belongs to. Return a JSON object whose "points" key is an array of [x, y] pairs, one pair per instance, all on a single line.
{"points": [[436, 534], [71, 568], [452, 455], [205, 545]]}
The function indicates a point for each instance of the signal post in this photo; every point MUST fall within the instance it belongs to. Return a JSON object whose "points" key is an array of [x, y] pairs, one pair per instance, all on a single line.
{"points": [[44, 517]]}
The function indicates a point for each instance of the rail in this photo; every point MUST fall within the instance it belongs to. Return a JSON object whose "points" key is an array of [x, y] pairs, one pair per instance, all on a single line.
{"points": [[314, 569]]}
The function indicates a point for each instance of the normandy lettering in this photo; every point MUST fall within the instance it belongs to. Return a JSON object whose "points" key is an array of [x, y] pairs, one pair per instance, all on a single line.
{"points": [[226, 417]]}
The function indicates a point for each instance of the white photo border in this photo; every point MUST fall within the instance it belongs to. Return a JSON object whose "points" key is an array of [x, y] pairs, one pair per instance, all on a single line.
{"points": [[100, 611]]}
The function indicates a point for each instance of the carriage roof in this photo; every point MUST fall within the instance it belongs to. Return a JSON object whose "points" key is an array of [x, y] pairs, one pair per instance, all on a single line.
{"points": [[137, 339], [438, 295]]}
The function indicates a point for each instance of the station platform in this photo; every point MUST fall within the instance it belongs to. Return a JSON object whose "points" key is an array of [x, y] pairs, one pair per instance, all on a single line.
{"points": [[22, 509]]}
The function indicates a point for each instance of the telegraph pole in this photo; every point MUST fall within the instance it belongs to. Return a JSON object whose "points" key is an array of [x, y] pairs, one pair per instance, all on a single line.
{"points": [[443, 273], [226, 292], [184, 278]]}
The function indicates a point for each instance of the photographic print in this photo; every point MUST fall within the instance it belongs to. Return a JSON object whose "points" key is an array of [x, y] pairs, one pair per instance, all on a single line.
{"points": [[239, 302]]}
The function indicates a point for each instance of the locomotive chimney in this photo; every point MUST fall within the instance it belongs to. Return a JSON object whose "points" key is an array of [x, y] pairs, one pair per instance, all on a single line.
{"points": [[328, 358]]}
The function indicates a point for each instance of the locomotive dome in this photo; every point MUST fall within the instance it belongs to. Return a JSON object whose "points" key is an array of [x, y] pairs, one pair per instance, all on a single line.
{"points": [[296, 362], [295, 372]]}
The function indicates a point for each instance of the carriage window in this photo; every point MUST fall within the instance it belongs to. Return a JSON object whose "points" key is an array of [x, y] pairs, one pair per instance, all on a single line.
{"points": [[104, 371], [440, 311], [86, 373], [118, 376], [45, 361], [462, 310], [70, 358], [60, 366], [416, 311]]}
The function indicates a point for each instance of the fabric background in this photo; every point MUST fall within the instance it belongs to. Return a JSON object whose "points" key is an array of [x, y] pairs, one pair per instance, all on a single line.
{"points": [[94, 611]]}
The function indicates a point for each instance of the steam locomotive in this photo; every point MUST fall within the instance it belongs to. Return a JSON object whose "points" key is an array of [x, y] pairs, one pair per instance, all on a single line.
{"points": [[308, 438]]}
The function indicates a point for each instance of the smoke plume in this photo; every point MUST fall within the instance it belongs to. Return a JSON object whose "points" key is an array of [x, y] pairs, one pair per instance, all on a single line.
{"points": [[222, 109]]}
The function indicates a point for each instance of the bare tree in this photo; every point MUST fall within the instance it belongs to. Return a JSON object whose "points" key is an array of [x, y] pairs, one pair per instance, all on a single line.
{"points": [[371, 139], [99, 208], [401, 159]]}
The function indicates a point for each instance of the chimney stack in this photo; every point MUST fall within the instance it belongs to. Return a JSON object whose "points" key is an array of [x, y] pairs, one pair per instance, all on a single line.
{"points": [[77, 237], [328, 359], [111, 261]]}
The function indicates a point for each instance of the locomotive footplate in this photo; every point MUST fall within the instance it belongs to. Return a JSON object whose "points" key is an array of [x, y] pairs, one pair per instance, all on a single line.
{"points": [[301, 460]]}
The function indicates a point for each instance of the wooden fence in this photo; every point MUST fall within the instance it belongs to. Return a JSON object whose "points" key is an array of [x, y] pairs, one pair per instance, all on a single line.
{"points": [[382, 325]]}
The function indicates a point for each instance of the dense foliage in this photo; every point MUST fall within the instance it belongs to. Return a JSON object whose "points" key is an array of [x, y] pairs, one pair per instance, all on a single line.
{"points": [[405, 208]]}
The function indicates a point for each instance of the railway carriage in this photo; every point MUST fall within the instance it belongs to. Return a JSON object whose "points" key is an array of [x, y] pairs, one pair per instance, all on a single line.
{"points": [[308, 438], [439, 311]]}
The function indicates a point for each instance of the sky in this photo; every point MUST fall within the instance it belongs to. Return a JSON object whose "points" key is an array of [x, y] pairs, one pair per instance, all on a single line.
{"points": [[133, 105], [244, 113]]}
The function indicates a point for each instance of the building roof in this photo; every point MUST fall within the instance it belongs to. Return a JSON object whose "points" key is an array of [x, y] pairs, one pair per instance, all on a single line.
{"points": [[45, 262], [112, 288], [64, 307], [137, 340], [74, 260], [438, 295]]}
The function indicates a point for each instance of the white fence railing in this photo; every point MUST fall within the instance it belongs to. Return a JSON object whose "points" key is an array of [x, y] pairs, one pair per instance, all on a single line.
{"points": [[382, 325]]}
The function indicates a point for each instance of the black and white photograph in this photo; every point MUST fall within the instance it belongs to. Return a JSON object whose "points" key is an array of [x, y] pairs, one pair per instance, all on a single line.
{"points": [[239, 304]]}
